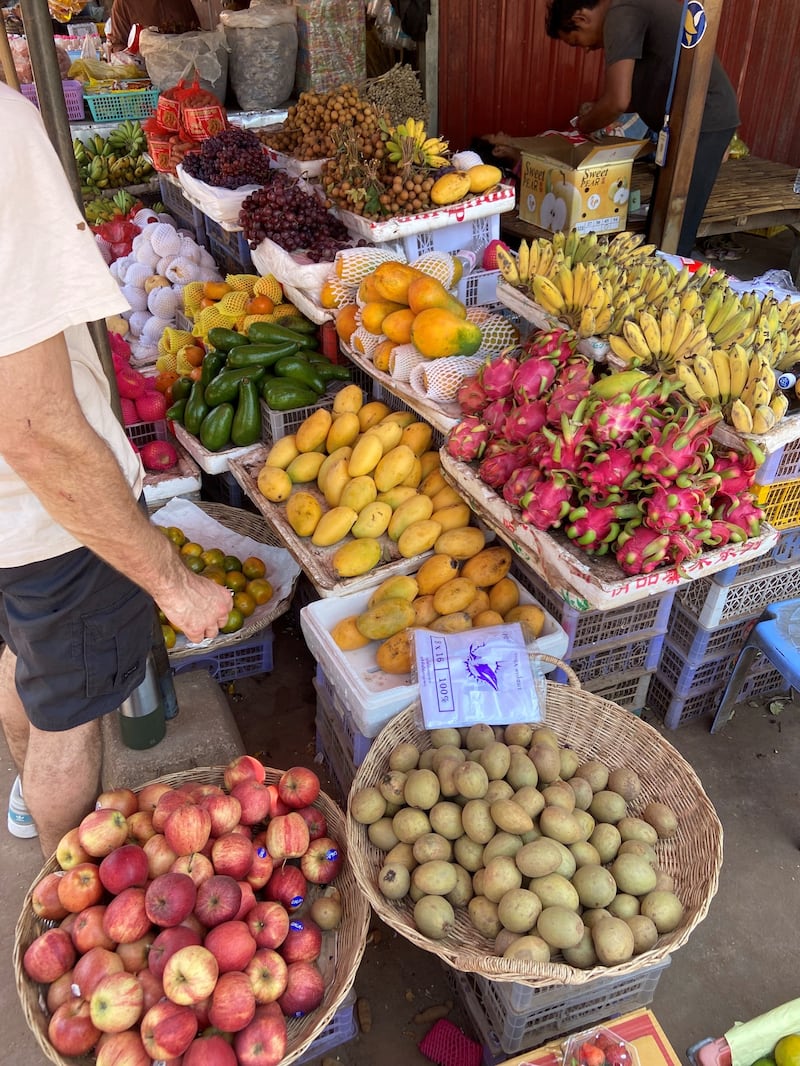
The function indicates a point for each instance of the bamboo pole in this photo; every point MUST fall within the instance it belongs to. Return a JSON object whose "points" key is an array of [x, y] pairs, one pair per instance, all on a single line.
{"points": [[6, 58]]}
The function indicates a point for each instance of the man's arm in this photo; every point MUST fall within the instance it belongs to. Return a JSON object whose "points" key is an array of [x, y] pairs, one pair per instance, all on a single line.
{"points": [[45, 438], [120, 26], [614, 101]]}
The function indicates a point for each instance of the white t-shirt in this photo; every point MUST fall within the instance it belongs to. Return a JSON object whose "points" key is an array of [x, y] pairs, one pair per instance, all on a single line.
{"points": [[53, 279]]}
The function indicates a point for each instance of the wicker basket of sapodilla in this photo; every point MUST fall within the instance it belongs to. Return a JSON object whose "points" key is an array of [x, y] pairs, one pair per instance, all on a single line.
{"points": [[595, 729], [244, 524], [341, 950]]}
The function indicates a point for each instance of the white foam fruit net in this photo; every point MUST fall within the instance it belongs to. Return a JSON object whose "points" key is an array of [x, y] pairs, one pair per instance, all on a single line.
{"points": [[353, 264], [497, 332], [437, 265], [440, 379]]}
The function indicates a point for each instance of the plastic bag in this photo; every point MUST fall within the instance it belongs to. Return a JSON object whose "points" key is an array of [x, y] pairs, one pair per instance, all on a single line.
{"points": [[288, 268], [172, 56], [221, 205], [88, 70], [263, 46]]}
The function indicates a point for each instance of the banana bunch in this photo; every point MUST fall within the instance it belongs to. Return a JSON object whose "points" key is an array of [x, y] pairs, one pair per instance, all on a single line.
{"points": [[408, 145], [100, 210], [127, 139], [626, 248], [581, 248], [654, 279], [725, 319], [538, 257], [661, 341], [577, 296], [742, 383]]}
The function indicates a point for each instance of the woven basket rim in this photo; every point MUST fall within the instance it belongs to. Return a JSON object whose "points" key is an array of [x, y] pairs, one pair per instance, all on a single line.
{"points": [[247, 525], [350, 941], [693, 856]]}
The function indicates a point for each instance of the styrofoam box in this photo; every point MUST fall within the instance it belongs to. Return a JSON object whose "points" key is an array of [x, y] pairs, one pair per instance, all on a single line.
{"points": [[211, 462], [372, 696]]}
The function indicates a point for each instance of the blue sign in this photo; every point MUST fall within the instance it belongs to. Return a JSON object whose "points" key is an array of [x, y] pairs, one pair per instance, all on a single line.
{"points": [[695, 23]]}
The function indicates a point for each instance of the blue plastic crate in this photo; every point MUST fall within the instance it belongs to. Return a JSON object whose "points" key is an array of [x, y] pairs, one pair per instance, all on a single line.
{"points": [[342, 1028], [698, 644], [607, 663], [675, 711], [684, 678], [763, 680], [185, 214], [234, 662], [226, 258], [780, 465], [356, 745], [233, 241], [628, 691]]}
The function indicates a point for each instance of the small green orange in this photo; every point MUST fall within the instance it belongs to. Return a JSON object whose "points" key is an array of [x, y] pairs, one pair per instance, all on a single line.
{"points": [[260, 589], [234, 623], [169, 636], [787, 1050], [213, 556], [215, 573], [191, 547], [253, 567], [236, 580], [194, 563], [230, 562], [244, 602], [177, 536]]}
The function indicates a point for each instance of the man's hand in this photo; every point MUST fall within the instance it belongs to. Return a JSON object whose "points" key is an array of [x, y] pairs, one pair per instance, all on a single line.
{"points": [[196, 605]]}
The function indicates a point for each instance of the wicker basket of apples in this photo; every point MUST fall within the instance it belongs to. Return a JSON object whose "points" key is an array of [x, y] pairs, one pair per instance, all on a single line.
{"points": [[210, 907]]}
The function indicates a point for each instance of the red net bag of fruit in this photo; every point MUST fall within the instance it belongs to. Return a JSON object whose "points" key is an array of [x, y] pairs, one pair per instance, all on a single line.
{"points": [[202, 115], [158, 145], [168, 109]]}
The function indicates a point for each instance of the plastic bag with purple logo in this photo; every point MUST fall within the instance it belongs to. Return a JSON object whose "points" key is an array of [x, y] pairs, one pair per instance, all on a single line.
{"points": [[481, 675]]}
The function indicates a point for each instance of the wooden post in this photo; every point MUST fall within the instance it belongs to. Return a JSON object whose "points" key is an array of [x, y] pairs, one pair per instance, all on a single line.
{"points": [[688, 104], [6, 58]]}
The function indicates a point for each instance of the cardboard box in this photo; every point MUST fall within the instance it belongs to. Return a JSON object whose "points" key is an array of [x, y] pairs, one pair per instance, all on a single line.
{"points": [[567, 182]]}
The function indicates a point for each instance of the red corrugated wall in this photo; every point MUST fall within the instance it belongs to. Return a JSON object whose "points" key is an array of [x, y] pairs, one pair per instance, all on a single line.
{"points": [[499, 70]]}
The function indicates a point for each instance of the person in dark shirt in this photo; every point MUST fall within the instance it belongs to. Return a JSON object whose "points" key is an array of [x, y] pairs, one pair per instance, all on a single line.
{"points": [[639, 38], [167, 16]]}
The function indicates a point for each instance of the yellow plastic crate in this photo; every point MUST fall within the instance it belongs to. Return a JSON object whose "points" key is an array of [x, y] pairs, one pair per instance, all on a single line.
{"points": [[780, 503]]}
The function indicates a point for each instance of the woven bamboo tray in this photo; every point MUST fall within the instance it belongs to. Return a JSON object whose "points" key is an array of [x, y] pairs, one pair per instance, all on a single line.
{"points": [[246, 525], [344, 949], [594, 728]]}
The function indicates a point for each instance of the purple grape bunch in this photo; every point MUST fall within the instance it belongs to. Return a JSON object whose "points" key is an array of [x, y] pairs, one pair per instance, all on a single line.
{"points": [[229, 160]]}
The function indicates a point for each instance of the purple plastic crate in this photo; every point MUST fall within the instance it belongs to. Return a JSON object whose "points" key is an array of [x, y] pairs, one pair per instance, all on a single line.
{"points": [[234, 662], [341, 1029], [635, 655], [140, 433], [73, 97], [684, 678], [675, 711], [763, 680], [697, 644]]}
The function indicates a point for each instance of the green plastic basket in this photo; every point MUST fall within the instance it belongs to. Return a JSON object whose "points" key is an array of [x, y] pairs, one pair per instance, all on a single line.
{"points": [[122, 104]]}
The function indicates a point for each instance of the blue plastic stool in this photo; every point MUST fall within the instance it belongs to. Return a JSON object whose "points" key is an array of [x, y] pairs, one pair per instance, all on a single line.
{"points": [[777, 636]]}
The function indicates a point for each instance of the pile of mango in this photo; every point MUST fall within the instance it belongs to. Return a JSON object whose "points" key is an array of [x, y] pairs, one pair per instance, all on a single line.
{"points": [[369, 471], [450, 593]]}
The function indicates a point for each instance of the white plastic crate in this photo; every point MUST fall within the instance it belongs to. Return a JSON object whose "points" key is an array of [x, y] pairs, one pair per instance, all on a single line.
{"points": [[684, 677], [341, 1029], [277, 424], [675, 711], [629, 691], [786, 550], [355, 744], [627, 657], [781, 465], [697, 644], [479, 289], [712, 604]]}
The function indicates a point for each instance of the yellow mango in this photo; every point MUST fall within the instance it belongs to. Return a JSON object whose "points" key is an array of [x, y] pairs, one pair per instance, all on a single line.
{"points": [[394, 467], [414, 476], [305, 467], [344, 430], [391, 280], [313, 431], [478, 603], [350, 398], [399, 494], [456, 516], [438, 333], [303, 512], [504, 595], [374, 312], [358, 492], [274, 484], [402, 418], [282, 452], [372, 520], [336, 479], [452, 623], [372, 413], [454, 595], [398, 325], [367, 291], [385, 619], [346, 636], [357, 557], [488, 566], [346, 323], [435, 571], [429, 461], [433, 482], [328, 463], [367, 453], [428, 292], [401, 586], [486, 618], [424, 610], [388, 433], [450, 187], [529, 614], [414, 509], [417, 538], [417, 436], [446, 497], [483, 176], [462, 544], [394, 656], [333, 526], [382, 354]]}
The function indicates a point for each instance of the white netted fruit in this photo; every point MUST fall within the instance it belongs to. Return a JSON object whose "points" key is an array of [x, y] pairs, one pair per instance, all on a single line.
{"points": [[164, 302], [121, 267], [137, 298], [353, 264], [144, 352], [154, 329], [144, 217], [497, 331], [402, 361], [441, 378], [364, 342], [164, 239], [181, 271], [439, 265], [137, 322], [190, 249], [137, 274]]}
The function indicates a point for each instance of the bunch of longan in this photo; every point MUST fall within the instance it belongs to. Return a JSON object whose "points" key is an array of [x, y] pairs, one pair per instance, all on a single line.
{"points": [[306, 132]]}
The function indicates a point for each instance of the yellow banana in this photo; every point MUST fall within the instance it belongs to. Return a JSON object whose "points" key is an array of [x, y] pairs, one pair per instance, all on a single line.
{"points": [[722, 368], [763, 419], [683, 327], [546, 254], [691, 386], [706, 375], [652, 333], [533, 259], [780, 405], [507, 265], [620, 347], [547, 295], [579, 285], [739, 363], [730, 306], [761, 396], [732, 329], [741, 417], [587, 326], [712, 305], [565, 281], [691, 300], [635, 338], [602, 320], [682, 279], [523, 262], [666, 326]]}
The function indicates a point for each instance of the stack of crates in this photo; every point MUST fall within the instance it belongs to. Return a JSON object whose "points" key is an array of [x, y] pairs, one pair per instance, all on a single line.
{"points": [[778, 486], [614, 652], [229, 248], [710, 620], [339, 743], [187, 216]]}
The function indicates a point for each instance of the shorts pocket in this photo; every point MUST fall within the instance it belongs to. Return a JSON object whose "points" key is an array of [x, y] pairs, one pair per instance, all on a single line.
{"points": [[116, 641]]}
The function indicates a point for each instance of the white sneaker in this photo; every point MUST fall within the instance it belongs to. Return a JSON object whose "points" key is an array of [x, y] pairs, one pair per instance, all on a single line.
{"points": [[20, 823]]}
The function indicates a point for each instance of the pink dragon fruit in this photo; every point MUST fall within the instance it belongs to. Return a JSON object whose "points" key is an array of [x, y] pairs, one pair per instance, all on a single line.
{"points": [[665, 509], [496, 376], [468, 439], [568, 448], [681, 448], [498, 446], [521, 481], [721, 533], [559, 345], [571, 389], [547, 502], [495, 414], [471, 397], [737, 472], [497, 469], [742, 511], [610, 472], [683, 546], [595, 527], [639, 549], [533, 378], [616, 419], [524, 420]]}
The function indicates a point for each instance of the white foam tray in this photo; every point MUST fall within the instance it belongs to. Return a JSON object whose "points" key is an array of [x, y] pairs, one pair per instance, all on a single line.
{"points": [[210, 462]]}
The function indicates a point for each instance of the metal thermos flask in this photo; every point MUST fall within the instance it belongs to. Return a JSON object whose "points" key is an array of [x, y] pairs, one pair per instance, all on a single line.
{"points": [[141, 715]]}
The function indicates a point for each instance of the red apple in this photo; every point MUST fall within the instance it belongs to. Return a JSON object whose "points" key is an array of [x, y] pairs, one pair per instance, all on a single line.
{"points": [[191, 921], [269, 923], [262, 1042], [198, 790], [153, 989], [166, 943], [149, 796], [45, 901], [225, 812], [243, 768], [59, 991], [287, 886], [305, 989], [315, 820], [91, 968], [71, 1030], [101, 831], [298, 787], [233, 1003], [254, 798], [140, 827], [268, 975], [119, 799], [80, 886], [124, 868], [89, 930], [195, 865], [167, 803], [261, 870], [68, 923], [187, 829], [303, 942], [211, 1050], [218, 900], [245, 830], [248, 900], [49, 956], [201, 1013], [322, 861], [169, 898], [287, 836], [69, 852], [126, 919], [116, 1002], [134, 955], [122, 1049], [190, 975], [276, 804], [160, 855], [232, 854], [167, 1029], [232, 945]]}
